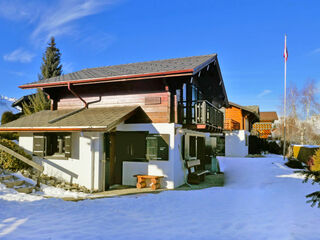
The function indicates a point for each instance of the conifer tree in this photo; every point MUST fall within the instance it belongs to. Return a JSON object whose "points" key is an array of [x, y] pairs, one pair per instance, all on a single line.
{"points": [[51, 67], [38, 102]]}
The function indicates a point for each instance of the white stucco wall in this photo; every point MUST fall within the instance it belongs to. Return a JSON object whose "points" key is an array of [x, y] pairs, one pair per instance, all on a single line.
{"points": [[161, 168], [173, 170], [86, 167], [85, 161], [235, 143]]}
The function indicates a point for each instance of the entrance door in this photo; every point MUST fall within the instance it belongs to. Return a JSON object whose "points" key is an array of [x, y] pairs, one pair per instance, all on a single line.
{"points": [[201, 148], [129, 146]]}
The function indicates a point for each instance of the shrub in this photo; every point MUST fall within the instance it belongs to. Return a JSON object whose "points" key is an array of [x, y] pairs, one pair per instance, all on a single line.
{"points": [[10, 162], [294, 163], [274, 148]]}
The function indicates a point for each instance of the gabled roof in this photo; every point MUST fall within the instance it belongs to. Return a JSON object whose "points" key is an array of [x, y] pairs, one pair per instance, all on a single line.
{"points": [[26, 98], [93, 119], [268, 116], [186, 65], [254, 109]]}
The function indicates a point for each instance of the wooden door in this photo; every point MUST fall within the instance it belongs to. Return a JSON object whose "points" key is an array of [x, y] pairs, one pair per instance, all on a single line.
{"points": [[129, 146], [201, 148]]}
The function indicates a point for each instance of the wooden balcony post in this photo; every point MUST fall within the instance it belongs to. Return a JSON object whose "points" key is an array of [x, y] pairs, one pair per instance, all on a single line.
{"points": [[203, 112]]}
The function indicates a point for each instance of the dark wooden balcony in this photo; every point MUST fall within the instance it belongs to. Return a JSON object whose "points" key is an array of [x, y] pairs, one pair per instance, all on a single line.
{"points": [[201, 115]]}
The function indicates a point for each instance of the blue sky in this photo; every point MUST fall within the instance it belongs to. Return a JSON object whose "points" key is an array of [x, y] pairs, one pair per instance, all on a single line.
{"points": [[248, 37]]}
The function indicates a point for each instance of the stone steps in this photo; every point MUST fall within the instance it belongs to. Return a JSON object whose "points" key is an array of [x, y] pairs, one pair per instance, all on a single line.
{"points": [[11, 181]]}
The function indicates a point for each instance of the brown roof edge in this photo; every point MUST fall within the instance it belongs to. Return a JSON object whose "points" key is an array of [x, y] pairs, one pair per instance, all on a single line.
{"points": [[58, 129], [94, 80]]}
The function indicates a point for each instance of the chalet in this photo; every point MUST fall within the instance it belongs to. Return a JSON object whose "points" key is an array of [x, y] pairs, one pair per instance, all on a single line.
{"points": [[110, 123], [238, 124], [264, 127]]}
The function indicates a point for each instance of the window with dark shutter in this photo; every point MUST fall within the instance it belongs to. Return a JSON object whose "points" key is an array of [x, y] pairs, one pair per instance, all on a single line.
{"points": [[67, 146], [39, 144], [56, 145], [158, 147]]}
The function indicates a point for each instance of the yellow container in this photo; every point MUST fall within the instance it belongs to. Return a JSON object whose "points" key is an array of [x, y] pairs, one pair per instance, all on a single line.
{"points": [[303, 153]]}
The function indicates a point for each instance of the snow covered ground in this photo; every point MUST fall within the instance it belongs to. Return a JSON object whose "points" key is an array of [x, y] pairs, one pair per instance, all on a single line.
{"points": [[262, 199]]}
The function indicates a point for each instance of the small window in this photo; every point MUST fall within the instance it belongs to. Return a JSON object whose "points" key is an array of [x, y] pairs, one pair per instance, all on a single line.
{"points": [[158, 147], [192, 146], [52, 144]]}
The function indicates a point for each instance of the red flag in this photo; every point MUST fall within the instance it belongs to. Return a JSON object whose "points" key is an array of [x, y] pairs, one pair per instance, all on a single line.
{"points": [[285, 53]]}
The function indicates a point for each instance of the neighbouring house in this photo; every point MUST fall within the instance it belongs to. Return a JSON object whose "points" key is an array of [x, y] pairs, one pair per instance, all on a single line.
{"points": [[23, 100], [107, 124], [238, 125], [264, 127]]}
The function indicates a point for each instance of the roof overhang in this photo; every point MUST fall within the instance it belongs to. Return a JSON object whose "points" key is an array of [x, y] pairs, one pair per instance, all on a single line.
{"points": [[85, 120], [56, 129], [184, 72]]}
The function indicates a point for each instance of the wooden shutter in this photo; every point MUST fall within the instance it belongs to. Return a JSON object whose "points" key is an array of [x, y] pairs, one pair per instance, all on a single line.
{"points": [[39, 144], [158, 147], [152, 146], [183, 146], [68, 145]]}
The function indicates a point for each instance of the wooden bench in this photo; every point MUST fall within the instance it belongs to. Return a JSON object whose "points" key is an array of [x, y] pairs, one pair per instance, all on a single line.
{"points": [[141, 181], [195, 175]]}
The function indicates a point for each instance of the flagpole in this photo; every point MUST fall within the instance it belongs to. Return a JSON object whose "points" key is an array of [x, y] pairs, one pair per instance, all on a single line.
{"points": [[285, 96]]}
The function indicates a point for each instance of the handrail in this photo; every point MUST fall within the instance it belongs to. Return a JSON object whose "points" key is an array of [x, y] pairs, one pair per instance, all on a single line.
{"points": [[201, 101], [200, 112], [22, 158]]}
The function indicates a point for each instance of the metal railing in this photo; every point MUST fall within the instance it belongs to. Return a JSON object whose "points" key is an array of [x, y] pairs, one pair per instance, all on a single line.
{"points": [[200, 112]]}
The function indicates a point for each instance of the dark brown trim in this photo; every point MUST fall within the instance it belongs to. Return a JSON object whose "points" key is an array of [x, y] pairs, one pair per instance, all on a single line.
{"points": [[52, 129], [111, 79]]}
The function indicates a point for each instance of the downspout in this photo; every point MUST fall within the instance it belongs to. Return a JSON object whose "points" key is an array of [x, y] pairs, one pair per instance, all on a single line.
{"points": [[92, 162], [77, 95], [86, 104]]}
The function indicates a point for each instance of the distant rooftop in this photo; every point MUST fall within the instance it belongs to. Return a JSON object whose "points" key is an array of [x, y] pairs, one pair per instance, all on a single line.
{"points": [[268, 116]]}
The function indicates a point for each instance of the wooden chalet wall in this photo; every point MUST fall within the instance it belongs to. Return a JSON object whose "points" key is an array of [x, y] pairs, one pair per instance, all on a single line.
{"points": [[236, 115], [151, 96]]}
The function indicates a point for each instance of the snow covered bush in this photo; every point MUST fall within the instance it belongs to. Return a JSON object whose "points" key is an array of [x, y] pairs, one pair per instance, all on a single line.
{"points": [[10, 162], [314, 174]]}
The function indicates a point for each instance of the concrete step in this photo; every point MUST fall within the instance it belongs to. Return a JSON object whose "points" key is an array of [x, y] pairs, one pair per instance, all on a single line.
{"points": [[6, 177], [24, 189], [15, 183]]}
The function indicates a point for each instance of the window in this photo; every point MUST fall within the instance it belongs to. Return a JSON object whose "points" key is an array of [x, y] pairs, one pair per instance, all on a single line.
{"points": [[192, 146], [158, 147], [52, 144]]}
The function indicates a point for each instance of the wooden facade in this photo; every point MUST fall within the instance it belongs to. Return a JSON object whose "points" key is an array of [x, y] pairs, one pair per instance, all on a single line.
{"points": [[239, 118], [264, 128], [192, 101]]}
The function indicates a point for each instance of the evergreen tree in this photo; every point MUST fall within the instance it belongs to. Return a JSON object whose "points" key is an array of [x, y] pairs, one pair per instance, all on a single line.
{"points": [[8, 116], [51, 66], [38, 102], [312, 172]]}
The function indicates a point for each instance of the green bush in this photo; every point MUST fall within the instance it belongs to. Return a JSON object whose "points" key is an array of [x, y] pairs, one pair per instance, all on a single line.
{"points": [[274, 148], [6, 118], [10, 162], [294, 163]]}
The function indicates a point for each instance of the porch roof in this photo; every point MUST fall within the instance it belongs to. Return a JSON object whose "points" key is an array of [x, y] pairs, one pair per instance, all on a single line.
{"points": [[92, 119]]}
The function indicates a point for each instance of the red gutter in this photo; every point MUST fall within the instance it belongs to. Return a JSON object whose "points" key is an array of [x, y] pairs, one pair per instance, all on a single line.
{"points": [[50, 129], [76, 95], [104, 79]]}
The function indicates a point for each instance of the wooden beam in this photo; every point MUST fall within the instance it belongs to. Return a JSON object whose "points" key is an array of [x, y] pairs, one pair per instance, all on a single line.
{"points": [[22, 158]]}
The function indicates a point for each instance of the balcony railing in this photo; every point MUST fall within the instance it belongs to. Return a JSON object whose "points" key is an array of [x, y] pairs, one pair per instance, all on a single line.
{"points": [[231, 124], [200, 112]]}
